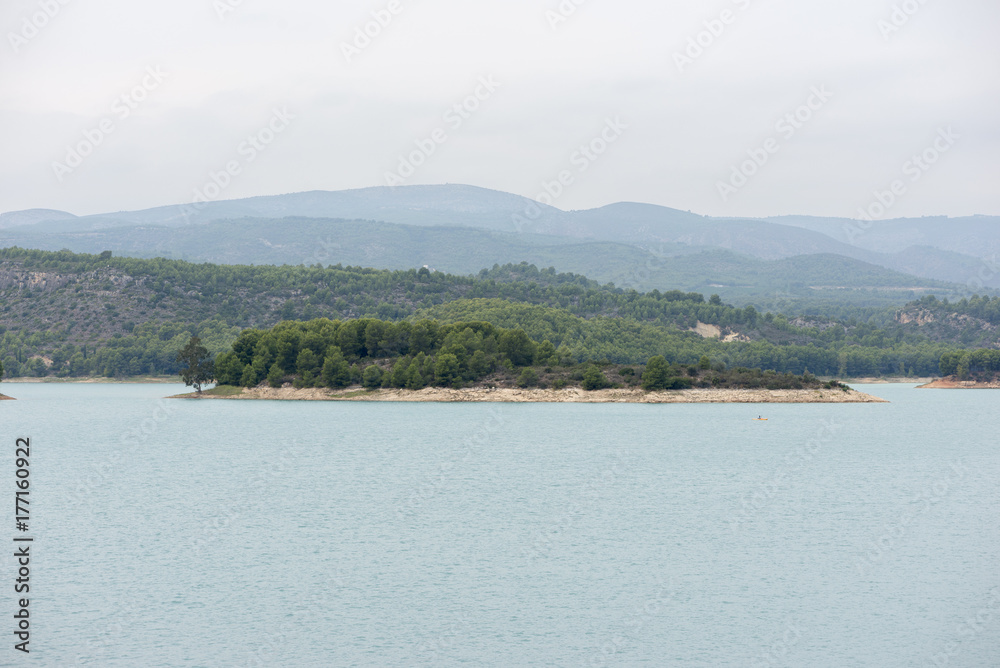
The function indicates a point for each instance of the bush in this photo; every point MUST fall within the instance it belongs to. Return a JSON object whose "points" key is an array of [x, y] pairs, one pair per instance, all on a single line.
{"points": [[528, 378], [593, 379], [656, 374]]}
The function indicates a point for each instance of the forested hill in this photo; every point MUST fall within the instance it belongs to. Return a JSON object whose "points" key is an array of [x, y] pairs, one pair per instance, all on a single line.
{"points": [[974, 322], [76, 314]]}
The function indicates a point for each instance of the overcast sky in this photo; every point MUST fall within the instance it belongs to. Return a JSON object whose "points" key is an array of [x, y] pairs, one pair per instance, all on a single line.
{"points": [[329, 111]]}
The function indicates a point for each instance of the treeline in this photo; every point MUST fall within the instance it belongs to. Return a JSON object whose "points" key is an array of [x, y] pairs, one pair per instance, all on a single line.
{"points": [[150, 349], [831, 351], [375, 353], [413, 355], [966, 364], [63, 313]]}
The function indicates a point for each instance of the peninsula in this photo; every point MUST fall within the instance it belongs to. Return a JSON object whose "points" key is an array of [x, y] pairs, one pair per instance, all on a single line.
{"points": [[841, 395], [954, 383]]}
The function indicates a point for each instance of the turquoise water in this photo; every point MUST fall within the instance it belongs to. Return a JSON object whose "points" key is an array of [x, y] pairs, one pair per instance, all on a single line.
{"points": [[348, 534]]}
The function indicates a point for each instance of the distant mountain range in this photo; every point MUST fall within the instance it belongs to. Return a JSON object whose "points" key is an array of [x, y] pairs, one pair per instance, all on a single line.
{"points": [[463, 229]]}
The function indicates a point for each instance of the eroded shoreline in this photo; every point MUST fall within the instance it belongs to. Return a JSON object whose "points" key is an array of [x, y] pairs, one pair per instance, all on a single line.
{"points": [[952, 383], [568, 395]]}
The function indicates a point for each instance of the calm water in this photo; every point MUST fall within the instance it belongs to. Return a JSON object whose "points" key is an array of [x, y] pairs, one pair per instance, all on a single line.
{"points": [[333, 534]]}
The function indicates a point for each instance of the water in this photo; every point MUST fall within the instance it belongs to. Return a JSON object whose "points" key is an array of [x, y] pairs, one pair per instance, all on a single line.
{"points": [[350, 534]]}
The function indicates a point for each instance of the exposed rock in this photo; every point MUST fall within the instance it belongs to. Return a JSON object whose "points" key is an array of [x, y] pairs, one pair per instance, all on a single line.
{"points": [[568, 395]]}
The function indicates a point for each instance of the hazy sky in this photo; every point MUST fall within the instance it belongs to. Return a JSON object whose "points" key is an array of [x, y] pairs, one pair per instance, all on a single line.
{"points": [[114, 104]]}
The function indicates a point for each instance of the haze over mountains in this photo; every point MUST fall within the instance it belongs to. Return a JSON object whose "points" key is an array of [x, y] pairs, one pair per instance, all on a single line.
{"points": [[463, 229]]}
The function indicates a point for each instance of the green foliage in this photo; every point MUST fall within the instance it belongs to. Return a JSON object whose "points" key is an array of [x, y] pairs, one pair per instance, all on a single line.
{"points": [[565, 319], [336, 371], [518, 348], [528, 378], [275, 377], [981, 364], [593, 379], [447, 370], [200, 367], [656, 374], [372, 378]]}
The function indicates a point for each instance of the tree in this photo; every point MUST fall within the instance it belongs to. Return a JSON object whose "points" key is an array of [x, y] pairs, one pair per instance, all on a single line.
{"points": [[656, 374], [446, 369], [593, 379], [275, 376], [518, 348], [200, 368], [336, 371], [372, 377], [228, 368]]}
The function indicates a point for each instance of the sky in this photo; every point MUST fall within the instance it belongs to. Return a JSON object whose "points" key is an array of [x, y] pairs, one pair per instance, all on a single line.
{"points": [[885, 108]]}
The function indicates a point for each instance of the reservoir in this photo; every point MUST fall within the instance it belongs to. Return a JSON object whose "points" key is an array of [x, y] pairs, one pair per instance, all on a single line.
{"points": [[259, 533]]}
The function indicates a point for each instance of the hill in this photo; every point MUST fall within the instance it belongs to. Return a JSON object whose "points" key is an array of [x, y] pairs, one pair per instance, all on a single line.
{"points": [[71, 314], [816, 284]]}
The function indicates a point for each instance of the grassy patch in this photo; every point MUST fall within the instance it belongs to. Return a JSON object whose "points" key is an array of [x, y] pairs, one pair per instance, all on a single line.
{"points": [[223, 391], [354, 393]]}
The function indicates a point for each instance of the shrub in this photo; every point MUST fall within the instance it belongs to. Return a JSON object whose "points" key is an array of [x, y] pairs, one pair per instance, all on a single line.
{"points": [[593, 379], [527, 378]]}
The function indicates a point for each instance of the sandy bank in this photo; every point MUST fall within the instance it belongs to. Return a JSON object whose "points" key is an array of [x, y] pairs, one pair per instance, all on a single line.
{"points": [[4, 397], [953, 383], [568, 395]]}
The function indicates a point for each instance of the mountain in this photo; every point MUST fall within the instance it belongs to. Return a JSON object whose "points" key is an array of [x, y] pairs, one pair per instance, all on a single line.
{"points": [[464, 229], [977, 236], [32, 217]]}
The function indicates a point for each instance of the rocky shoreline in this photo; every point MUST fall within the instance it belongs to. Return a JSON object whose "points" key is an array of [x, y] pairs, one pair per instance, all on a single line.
{"points": [[568, 395], [953, 383]]}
